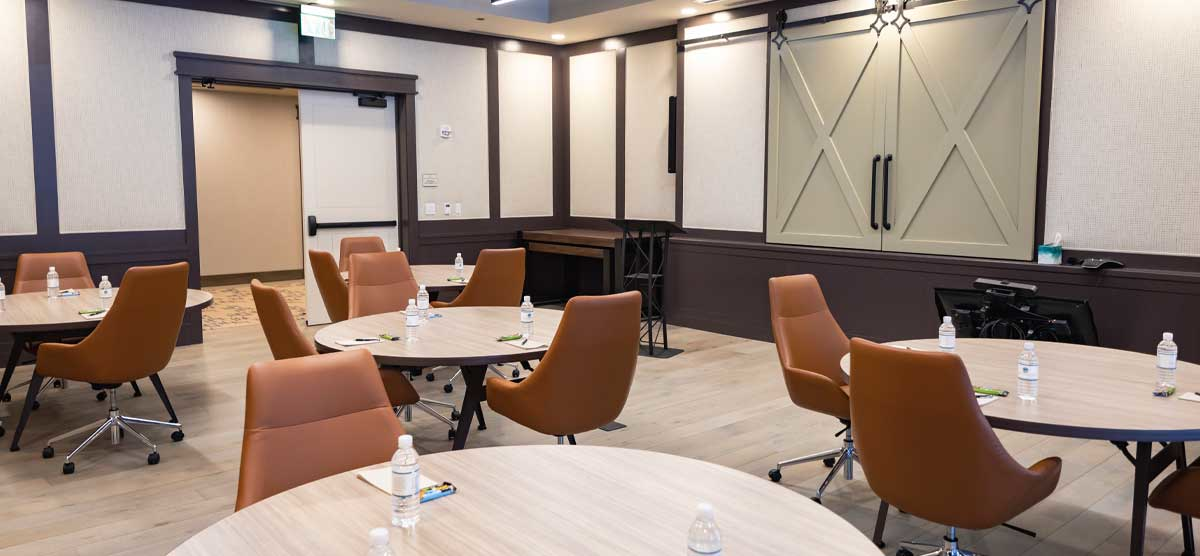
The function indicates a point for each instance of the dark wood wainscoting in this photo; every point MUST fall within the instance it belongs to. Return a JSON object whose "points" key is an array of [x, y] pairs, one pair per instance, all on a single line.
{"points": [[721, 286]]}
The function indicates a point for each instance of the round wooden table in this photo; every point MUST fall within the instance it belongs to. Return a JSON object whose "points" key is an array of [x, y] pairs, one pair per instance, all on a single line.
{"points": [[35, 317], [532, 500], [435, 276], [1092, 393], [462, 337]]}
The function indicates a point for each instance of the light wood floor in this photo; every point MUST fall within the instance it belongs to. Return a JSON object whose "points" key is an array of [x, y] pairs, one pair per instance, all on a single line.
{"points": [[723, 400]]}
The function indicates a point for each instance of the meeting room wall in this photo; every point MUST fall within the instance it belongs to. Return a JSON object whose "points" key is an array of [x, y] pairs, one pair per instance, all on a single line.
{"points": [[17, 212], [593, 105], [649, 82], [525, 89]]}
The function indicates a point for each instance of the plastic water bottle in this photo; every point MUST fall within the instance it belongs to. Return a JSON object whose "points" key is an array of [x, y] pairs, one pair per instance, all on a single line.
{"points": [[406, 484], [1027, 374], [412, 319], [458, 265], [526, 319], [946, 334], [704, 537], [52, 283], [105, 292], [380, 543], [1168, 358], [1, 295], [423, 303]]}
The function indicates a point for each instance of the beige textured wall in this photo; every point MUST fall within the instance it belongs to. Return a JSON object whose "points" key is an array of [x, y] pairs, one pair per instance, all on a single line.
{"points": [[18, 211], [452, 90], [649, 82], [116, 104], [594, 134], [526, 134], [247, 182]]}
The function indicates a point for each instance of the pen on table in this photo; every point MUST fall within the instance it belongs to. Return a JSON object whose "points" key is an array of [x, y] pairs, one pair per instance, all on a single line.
{"points": [[366, 339]]}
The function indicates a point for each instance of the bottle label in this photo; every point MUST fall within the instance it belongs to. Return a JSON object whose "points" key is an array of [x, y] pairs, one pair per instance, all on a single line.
{"points": [[405, 484], [412, 320], [52, 282], [1027, 372], [422, 304], [1167, 361], [526, 316], [946, 341]]}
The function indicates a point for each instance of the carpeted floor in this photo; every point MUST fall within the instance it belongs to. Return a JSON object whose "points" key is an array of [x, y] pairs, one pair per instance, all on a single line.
{"points": [[234, 306]]}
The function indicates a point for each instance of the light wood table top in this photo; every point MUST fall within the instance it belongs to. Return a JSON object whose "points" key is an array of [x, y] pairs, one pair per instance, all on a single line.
{"points": [[1083, 391], [575, 236], [34, 312], [531, 500], [461, 336], [434, 276]]}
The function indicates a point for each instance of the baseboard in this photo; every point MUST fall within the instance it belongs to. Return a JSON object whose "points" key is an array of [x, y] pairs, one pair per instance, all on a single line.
{"points": [[245, 278]]}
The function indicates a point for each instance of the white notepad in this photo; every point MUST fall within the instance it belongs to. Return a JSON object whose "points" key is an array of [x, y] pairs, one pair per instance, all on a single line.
{"points": [[381, 478], [358, 342], [984, 400], [531, 344]]}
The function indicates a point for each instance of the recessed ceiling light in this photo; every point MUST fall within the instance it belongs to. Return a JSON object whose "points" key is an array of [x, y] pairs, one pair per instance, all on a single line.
{"points": [[688, 11], [722, 16], [558, 36]]}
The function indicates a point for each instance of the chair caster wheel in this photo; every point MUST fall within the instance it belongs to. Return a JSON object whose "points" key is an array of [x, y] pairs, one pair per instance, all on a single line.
{"points": [[430, 378], [152, 459], [817, 499], [904, 552], [68, 468], [880, 544], [177, 436], [6, 397], [448, 388], [516, 373], [775, 475], [101, 396], [48, 452], [414, 373], [56, 384], [454, 414], [829, 462], [450, 434], [36, 405], [1, 431]]}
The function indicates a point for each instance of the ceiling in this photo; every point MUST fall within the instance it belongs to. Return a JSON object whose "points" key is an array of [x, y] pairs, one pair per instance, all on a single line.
{"points": [[536, 20]]}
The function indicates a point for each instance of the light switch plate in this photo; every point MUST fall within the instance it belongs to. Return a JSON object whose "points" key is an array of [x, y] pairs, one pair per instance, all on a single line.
{"points": [[446, 209], [458, 209], [430, 209]]}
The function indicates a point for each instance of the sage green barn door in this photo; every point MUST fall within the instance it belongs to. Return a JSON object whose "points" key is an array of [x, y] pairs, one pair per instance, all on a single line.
{"points": [[826, 126], [963, 108]]}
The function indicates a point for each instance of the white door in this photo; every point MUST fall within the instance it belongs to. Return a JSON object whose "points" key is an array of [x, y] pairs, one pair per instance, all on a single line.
{"points": [[348, 170]]}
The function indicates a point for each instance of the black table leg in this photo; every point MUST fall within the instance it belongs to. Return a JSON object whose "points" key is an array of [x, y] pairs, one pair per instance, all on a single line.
{"points": [[1189, 538], [162, 394], [35, 385], [880, 522], [1142, 476], [473, 377], [14, 356]]}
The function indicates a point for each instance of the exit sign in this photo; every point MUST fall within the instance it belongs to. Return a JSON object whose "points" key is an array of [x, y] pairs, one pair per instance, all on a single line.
{"points": [[316, 21]]}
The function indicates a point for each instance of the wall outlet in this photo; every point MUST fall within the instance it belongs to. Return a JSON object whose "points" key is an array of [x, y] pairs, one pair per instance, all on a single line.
{"points": [[430, 209], [446, 209], [457, 209]]}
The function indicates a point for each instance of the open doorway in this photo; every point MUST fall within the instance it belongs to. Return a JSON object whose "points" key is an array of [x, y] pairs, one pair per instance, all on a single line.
{"points": [[248, 193]]}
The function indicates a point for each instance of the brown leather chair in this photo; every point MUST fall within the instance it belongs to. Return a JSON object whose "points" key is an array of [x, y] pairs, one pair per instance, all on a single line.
{"points": [[1180, 493], [283, 334], [288, 342], [334, 292], [135, 340], [811, 345], [927, 448], [353, 245], [31, 271], [312, 417], [585, 376], [380, 283], [498, 280]]}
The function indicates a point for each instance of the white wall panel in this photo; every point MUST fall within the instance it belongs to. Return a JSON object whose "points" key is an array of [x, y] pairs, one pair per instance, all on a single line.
{"points": [[452, 90], [649, 83], [1125, 127], [594, 134], [116, 104], [723, 134], [526, 134], [18, 211]]}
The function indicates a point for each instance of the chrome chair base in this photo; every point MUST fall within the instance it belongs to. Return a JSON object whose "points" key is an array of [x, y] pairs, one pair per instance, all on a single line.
{"points": [[843, 458], [117, 425], [495, 369], [949, 547]]}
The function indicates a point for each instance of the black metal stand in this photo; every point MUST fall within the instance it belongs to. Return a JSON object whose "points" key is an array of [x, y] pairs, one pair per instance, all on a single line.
{"points": [[645, 271]]}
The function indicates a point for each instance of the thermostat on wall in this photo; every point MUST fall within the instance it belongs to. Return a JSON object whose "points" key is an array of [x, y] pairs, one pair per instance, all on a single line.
{"points": [[446, 132]]}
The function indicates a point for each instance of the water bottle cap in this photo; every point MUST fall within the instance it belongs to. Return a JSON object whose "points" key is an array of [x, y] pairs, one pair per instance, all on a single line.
{"points": [[527, 299], [1028, 346], [405, 441], [412, 302], [103, 277], [51, 269], [458, 254], [704, 510], [946, 320], [379, 536], [1168, 336], [421, 287]]}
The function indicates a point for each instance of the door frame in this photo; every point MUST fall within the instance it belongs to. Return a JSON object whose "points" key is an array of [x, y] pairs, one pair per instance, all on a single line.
{"points": [[191, 67]]}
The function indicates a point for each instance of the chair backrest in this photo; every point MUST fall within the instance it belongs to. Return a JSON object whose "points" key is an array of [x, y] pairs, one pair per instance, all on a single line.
{"points": [[137, 337], [924, 443], [584, 379], [283, 334], [31, 272], [810, 344], [380, 283], [312, 417], [334, 292], [497, 281], [351, 245]]}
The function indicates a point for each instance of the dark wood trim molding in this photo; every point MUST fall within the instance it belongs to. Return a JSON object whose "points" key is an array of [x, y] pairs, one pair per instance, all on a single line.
{"points": [[1051, 23], [648, 36], [406, 147], [191, 218], [41, 99], [307, 50], [274, 12], [619, 149], [230, 69], [562, 140], [679, 123], [493, 127]]}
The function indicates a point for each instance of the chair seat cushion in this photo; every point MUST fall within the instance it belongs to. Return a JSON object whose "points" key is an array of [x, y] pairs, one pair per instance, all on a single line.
{"points": [[1179, 492]]}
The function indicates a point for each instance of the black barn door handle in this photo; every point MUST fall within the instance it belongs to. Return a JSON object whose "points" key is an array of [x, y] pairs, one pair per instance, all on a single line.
{"points": [[887, 163], [874, 171]]}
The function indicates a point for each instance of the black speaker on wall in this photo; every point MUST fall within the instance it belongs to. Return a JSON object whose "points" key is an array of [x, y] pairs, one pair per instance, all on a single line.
{"points": [[672, 106]]}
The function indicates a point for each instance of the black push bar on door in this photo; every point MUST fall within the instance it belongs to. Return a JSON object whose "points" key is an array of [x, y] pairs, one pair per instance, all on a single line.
{"points": [[313, 225]]}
